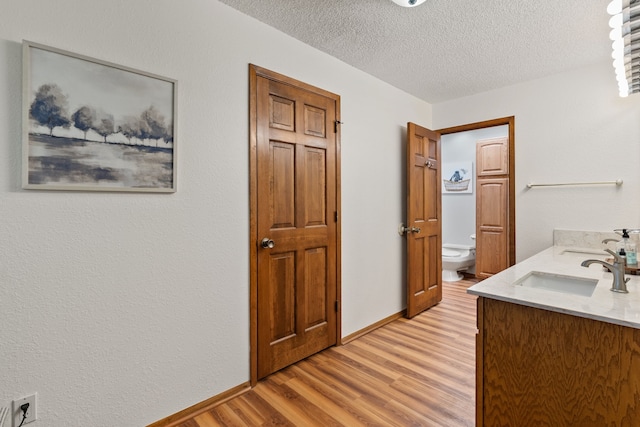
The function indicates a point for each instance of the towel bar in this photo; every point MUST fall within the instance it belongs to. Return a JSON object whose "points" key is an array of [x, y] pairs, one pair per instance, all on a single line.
{"points": [[617, 182]]}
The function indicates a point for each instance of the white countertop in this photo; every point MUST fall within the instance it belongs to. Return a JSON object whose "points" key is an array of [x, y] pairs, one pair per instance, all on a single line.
{"points": [[603, 305]]}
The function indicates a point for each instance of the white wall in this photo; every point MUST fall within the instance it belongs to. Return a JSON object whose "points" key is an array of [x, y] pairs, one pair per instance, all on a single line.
{"points": [[121, 309], [459, 209], [569, 127]]}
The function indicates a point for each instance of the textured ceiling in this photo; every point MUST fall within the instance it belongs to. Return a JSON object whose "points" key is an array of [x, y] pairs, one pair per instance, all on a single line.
{"points": [[446, 49]]}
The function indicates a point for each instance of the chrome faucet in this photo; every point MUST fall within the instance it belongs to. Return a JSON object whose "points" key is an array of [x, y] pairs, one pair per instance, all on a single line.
{"points": [[617, 268], [605, 241]]}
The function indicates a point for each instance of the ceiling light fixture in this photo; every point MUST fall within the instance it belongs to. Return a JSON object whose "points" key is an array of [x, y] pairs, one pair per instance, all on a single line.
{"points": [[408, 3], [625, 34]]}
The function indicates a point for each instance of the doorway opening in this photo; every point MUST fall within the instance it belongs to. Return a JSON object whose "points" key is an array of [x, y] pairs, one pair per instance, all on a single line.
{"points": [[460, 217]]}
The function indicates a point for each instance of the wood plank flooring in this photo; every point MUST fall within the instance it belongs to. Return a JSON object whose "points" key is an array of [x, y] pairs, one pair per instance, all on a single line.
{"points": [[411, 372]]}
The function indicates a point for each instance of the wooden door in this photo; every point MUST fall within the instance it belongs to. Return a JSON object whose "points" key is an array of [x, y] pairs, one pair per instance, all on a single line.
{"points": [[492, 239], [424, 209], [296, 220], [492, 206]]}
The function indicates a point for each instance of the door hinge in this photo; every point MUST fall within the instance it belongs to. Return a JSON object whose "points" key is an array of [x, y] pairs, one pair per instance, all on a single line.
{"points": [[337, 305], [335, 216], [335, 125]]}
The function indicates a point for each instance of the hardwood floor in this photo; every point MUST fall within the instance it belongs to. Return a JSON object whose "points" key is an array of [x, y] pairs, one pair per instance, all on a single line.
{"points": [[411, 372]]}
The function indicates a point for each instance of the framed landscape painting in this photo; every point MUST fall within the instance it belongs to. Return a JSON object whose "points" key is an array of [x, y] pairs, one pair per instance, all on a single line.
{"points": [[90, 125]]}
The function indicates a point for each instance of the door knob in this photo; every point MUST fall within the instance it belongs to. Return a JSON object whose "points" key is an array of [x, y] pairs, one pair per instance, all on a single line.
{"points": [[267, 243], [402, 230]]}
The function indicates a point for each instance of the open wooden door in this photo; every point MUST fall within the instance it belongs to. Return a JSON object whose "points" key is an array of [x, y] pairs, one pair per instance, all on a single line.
{"points": [[424, 226]]}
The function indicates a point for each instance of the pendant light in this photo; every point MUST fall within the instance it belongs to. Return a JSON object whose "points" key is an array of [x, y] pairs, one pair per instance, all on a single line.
{"points": [[408, 3], [625, 36]]}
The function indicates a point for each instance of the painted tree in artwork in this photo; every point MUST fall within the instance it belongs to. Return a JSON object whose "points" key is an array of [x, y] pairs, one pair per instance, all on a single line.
{"points": [[83, 119], [168, 136], [144, 131], [49, 108], [104, 125], [154, 120], [130, 128]]}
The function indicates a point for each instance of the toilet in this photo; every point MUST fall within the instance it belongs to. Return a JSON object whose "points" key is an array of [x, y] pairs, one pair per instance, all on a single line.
{"points": [[456, 258]]}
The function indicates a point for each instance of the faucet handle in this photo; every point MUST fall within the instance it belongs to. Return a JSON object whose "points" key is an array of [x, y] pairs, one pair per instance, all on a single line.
{"points": [[616, 256], [605, 241]]}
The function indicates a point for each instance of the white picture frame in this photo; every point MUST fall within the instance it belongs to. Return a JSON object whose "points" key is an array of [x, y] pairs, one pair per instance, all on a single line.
{"points": [[457, 178], [91, 125]]}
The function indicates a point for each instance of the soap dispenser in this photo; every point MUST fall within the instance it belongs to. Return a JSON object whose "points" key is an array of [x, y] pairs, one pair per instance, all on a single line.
{"points": [[627, 248], [630, 250]]}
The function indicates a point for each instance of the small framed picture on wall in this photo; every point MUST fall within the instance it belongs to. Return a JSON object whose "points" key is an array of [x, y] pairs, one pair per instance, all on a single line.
{"points": [[457, 178]]}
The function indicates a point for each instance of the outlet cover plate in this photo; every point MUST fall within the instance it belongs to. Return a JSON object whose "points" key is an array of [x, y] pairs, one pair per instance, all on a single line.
{"points": [[32, 414]]}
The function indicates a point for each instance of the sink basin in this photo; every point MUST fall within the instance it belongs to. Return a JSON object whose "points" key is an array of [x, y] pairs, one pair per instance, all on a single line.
{"points": [[586, 253], [558, 283]]}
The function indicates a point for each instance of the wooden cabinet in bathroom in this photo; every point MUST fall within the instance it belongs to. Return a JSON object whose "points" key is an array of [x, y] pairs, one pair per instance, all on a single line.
{"points": [[492, 157], [492, 206], [492, 239], [544, 368]]}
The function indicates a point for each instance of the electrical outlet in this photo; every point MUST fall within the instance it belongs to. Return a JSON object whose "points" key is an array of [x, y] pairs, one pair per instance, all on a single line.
{"points": [[32, 415]]}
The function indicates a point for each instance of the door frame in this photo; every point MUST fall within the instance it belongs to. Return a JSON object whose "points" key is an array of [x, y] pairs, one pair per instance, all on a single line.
{"points": [[255, 72], [510, 121]]}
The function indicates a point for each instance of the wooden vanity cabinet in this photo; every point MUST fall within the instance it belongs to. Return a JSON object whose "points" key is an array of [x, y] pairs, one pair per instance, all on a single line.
{"points": [[542, 368]]}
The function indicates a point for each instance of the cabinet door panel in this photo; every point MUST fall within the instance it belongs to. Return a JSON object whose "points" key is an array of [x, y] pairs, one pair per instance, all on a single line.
{"points": [[492, 239], [492, 156]]}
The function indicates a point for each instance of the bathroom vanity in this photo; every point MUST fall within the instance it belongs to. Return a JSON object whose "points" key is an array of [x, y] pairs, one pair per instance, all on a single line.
{"points": [[555, 346]]}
